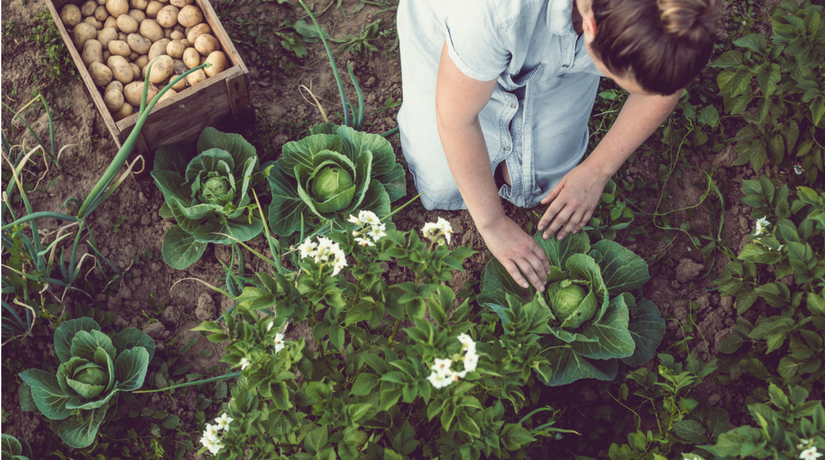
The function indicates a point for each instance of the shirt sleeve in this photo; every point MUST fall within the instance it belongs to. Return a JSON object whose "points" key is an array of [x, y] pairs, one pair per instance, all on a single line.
{"points": [[475, 40]]}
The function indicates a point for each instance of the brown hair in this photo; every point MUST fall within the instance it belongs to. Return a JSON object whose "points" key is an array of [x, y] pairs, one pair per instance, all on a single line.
{"points": [[662, 44]]}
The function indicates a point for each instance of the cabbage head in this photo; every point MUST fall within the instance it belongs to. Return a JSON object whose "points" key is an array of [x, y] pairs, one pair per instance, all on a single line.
{"points": [[207, 193], [93, 370], [595, 317], [334, 172]]}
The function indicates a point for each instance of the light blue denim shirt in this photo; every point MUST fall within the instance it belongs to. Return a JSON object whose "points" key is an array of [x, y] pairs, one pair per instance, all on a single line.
{"points": [[536, 119]]}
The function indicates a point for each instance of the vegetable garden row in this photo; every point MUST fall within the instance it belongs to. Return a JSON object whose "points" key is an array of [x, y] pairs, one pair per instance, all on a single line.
{"points": [[347, 335]]}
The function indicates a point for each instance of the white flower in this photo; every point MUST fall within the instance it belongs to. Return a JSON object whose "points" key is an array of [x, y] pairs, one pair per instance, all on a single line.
{"points": [[803, 443], [442, 367], [213, 445], [325, 246], [368, 218], [244, 363], [364, 242], [307, 248], [430, 230], [798, 169], [467, 343], [354, 220], [761, 225], [810, 454], [470, 362], [445, 226], [376, 232], [340, 260], [439, 381], [211, 432], [222, 422], [279, 342]]}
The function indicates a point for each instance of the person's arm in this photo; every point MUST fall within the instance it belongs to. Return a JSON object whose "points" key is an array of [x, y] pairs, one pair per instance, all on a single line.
{"points": [[576, 196], [459, 100]]}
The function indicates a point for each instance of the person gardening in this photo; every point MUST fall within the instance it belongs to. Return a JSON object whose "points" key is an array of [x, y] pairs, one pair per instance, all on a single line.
{"points": [[497, 95]]}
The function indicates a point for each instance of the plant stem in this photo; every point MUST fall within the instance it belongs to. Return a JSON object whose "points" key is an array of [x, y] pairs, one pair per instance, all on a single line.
{"points": [[231, 375], [394, 331]]}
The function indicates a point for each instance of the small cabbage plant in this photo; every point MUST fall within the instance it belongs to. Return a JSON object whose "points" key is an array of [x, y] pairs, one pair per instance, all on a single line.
{"points": [[93, 370], [594, 320], [207, 192], [13, 449], [334, 172]]}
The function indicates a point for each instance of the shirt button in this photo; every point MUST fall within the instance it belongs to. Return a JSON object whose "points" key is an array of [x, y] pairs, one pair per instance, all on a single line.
{"points": [[513, 105], [506, 148]]}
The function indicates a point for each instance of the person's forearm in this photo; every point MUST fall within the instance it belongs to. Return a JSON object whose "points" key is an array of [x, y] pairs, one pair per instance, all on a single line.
{"points": [[638, 119], [470, 165]]}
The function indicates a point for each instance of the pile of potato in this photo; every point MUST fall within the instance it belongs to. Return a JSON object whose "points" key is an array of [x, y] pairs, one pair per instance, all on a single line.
{"points": [[118, 38]]}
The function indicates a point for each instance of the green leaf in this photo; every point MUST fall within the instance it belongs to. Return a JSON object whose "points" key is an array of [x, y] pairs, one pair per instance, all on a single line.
{"points": [[768, 76], [738, 82], [496, 283], [302, 152], [790, 131], [753, 42], [759, 254], [50, 399], [709, 116], [180, 250], [65, 333], [11, 445], [816, 304], [364, 384], [691, 431], [240, 150], [514, 436], [567, 367], [316, 440], [79, 432], [647, 328], [130, 368], [622, 270], [613, 339], [85, 344], [731, 58], [287, 208], [131, 338], [173, 157], [559, 251]]}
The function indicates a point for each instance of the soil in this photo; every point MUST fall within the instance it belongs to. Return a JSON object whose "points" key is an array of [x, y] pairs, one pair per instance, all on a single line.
{"points": [[129, 231]]}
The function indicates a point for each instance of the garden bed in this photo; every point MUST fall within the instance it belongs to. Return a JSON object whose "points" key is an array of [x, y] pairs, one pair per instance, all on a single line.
{"points": [[167, 304]]}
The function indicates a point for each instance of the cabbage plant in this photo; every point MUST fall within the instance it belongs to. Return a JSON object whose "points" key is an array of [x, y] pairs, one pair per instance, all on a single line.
{"points": [[334, 172], [207, 192], [93, 370], [595, 319]]}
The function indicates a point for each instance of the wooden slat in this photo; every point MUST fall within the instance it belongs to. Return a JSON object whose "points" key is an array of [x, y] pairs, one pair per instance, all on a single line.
{"points": [[182, 117]]}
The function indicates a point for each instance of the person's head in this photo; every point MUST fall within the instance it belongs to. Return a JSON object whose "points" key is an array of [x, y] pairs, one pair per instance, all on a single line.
{"points": [[658, 46]]}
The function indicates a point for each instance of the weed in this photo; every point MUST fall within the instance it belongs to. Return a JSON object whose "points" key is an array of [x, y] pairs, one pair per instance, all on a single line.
{"points": [[115, 226], [56, 59]]}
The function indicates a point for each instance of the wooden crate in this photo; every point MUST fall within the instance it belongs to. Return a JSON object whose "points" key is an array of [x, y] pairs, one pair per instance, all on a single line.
{"points": [[213, 102]]}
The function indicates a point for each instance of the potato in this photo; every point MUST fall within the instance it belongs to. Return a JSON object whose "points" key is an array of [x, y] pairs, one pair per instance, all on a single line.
{"points": [[170, 93], [101, 2], [135, 69], [127, 24], [158, 48], [88, 8], [124, 112], [137, 15], [193, 33], [167, 32], [70, 15], [92, 52], [177, 35], [153, 8], [189, 16], [180, 28], [121, 70], [132, 56], [139, 4], [218, 61], [181, 3], [150, 29], [110, 22], [113, 100], [175, 49], [117, 7], [106, 54], [162, 68], [138, 43], [101, 13], [113, 86], [207, 43], [106, 35], [134, 91], [195, 77], [168, 16], [179, 86], [101, 74], [82, 33], [142, 61], [191, 57], [94, 22], [119, 47]]}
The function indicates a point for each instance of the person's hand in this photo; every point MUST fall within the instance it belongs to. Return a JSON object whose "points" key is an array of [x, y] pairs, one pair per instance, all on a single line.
{"points": [[518, 252], [572, 202]]}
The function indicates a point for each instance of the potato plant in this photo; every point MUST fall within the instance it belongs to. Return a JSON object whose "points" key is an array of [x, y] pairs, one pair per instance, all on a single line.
{"points": [[117, 40]]}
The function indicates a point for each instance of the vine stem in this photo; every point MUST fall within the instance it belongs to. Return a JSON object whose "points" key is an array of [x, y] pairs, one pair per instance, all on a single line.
{"points": [[394, 331]]}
